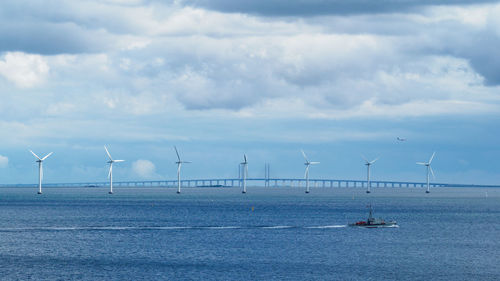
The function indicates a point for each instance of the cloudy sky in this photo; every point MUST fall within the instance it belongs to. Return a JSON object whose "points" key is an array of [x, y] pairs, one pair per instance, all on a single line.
{"points": [[267, 78]]}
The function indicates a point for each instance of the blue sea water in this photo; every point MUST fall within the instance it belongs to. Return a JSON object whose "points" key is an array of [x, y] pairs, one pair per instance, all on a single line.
{"points": [[266, 234]]}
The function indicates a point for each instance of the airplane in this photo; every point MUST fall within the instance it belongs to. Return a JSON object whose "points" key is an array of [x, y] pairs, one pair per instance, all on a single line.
{"points": [[401, 139]]}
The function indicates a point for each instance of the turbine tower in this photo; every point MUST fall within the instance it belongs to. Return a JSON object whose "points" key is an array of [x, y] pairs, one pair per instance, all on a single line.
{"points": [[179, 164], [110, 174], [429, 168], [40, 169], [244, 164], [307, 163], [368, 164]]}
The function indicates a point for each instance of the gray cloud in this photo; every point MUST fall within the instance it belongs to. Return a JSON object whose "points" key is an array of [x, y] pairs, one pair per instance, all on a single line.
{"points": [[320, 7], [57, 27], [51, 38], [482, 54], [476, 45]]}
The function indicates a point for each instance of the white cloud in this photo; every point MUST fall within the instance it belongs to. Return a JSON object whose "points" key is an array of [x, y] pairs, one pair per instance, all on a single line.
{"points": [[253, 66], [24, 70], [476, 16], [60, 109], [144, 168], [4, 161]]}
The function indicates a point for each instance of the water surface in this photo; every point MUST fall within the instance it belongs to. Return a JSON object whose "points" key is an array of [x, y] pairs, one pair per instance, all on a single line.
{"points": [[266, 234]]}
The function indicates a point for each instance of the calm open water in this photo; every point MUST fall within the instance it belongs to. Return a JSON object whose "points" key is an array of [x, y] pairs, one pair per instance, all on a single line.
{"points": [[267, 234]]}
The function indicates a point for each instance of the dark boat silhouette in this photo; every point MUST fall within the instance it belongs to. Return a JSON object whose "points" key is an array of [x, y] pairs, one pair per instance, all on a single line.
{"points": [[372, 222]]}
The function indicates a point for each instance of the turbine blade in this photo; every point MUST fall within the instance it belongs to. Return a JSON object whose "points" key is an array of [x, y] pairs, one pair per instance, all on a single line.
{"points": [[186, 162], [432, 157], [432, 172], [46, 156], [421, 163], [375, 160], [110, 170], [107, 152], [366, 160], [118, 160], [307, 171], [179, 167], [305, 157], [313, 163], [245, 157], [35, 155], [177, 152]]}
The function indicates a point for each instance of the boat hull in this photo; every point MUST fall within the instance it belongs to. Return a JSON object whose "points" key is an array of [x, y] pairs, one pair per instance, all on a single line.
{"points": [[376, 225]]}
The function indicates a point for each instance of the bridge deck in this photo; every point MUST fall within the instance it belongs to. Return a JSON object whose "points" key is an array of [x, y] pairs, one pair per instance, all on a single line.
{"points": [[270, 182]]}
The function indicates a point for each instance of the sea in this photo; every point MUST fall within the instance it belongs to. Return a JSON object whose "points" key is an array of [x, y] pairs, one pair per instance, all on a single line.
{"points": [[266, 234]]}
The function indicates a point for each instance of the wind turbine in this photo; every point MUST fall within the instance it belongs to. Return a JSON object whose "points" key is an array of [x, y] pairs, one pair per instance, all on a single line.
{"points": [[429, 168], [110, 174], [368, 164], [307, 163], [245, 173], [179, 164], [40, 169]]}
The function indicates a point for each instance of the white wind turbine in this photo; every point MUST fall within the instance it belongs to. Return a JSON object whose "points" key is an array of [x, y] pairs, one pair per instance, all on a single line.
{"points": [[245, 173], [307, 163], [179, 164], [110, 174], [40, 169], [368, 164], [429, 168]]}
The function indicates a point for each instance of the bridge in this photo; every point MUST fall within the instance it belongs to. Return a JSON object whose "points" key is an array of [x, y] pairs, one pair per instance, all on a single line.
{"points": [[257, 182]]}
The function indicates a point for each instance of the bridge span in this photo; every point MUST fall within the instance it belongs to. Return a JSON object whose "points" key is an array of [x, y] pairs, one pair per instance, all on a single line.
{"points": [[258, 182]]}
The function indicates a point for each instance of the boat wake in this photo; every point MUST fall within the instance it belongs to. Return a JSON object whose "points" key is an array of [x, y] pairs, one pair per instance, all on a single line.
{"points": [[277, 227], [327, 226], [392, 226], [158, 228]]}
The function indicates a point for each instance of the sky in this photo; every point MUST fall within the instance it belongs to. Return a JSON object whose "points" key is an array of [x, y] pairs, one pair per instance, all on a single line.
{"points": [[265, 78]]}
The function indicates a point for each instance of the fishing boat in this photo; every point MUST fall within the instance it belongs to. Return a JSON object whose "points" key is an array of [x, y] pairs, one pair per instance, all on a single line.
{"points": [[372, 222]]}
